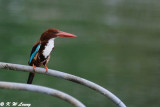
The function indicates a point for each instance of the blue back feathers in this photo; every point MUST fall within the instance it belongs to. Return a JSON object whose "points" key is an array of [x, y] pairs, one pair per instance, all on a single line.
{"points": [[34, 53]]}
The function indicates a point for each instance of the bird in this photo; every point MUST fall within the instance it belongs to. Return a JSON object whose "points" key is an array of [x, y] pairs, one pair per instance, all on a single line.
{"points": [[40, 53]]}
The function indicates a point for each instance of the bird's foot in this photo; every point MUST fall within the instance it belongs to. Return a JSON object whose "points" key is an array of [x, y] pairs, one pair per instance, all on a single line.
{"points": [[34, 67], [46, 67]]}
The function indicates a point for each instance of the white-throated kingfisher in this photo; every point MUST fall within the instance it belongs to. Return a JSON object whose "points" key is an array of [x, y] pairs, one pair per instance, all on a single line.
{"points": [[42, 49]]}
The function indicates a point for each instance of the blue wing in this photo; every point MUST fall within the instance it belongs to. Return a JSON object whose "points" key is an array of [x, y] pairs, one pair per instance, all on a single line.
{"points": [[33, 53]]}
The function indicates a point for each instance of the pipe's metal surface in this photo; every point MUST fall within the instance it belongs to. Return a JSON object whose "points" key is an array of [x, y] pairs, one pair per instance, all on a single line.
{"points": [[41, 89], [66, 76]]}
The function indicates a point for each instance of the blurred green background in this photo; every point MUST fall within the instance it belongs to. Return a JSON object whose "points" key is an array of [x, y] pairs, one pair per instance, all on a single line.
{"points": [[118, 47]]}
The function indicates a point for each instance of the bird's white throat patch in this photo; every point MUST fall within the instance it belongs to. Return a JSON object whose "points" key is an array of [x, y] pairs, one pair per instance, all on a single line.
{"points": [[48, 48]]}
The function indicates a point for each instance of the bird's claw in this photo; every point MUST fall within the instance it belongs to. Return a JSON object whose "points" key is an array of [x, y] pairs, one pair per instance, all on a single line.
{"points": [[46, 68], [34, 67]]}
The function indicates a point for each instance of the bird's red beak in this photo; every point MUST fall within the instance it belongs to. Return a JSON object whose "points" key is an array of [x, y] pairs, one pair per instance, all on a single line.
{"points": [[65, 34]]}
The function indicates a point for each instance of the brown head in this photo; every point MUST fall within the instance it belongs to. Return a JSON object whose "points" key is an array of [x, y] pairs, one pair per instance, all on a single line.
{"points": [[53, 33]]}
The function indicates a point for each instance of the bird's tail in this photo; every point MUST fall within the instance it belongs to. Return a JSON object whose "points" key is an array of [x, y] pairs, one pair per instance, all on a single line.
{"points": [[30, 78]]}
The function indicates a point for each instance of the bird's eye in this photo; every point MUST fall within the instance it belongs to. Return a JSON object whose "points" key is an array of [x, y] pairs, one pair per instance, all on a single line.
{"points": [[55, 31]]}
